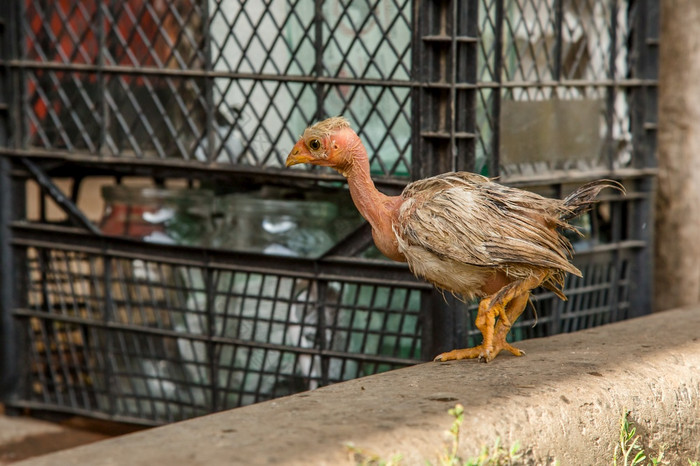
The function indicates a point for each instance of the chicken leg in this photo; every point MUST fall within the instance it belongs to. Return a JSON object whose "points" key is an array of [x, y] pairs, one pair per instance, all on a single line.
{"points": [[508, 304]]}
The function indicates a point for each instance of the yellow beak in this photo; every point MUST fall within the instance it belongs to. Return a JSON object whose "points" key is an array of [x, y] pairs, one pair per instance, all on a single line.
{"points": [[298, 155]]}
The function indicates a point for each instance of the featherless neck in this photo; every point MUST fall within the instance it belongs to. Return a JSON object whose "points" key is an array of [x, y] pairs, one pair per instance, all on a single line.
{"points": [[373, 205]]}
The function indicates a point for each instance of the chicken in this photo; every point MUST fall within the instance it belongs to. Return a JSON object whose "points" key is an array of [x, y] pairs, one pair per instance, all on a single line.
{"points": [[461, 232]]}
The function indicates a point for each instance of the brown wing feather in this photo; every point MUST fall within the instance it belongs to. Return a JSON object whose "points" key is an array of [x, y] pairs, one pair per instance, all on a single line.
{"points": [[470, 219]]}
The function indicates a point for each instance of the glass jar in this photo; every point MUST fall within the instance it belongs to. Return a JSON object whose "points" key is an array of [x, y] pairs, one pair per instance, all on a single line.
{"points": [[169, 216], [275, 226]]}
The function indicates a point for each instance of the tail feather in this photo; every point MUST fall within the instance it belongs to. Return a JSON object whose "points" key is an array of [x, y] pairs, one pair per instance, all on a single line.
{"points": [[581, 200]]}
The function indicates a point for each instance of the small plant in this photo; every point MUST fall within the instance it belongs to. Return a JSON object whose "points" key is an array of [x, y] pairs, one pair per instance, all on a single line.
{"points": [[365, 458], [629, 447], [494, 456], [449, 456]]}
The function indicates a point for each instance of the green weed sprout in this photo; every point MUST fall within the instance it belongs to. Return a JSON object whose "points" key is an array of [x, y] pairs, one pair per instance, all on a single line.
{"points": [[363, 457], [628, 446], [494, 456]]}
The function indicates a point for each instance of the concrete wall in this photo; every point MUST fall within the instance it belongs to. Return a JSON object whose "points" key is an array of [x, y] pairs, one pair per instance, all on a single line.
{"points": [[562, 401]]}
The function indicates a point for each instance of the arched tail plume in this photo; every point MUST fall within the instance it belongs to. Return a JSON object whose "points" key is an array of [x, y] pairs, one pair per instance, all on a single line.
{"points": [[581, 200]]}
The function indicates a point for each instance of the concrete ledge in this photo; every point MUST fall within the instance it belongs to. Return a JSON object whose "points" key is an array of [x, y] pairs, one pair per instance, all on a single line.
{"points": [[562, 400]]}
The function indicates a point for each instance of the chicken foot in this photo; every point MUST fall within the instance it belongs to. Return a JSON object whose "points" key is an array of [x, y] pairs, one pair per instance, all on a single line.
{"points": [[514, 310], [494, 336], [509, 304]]}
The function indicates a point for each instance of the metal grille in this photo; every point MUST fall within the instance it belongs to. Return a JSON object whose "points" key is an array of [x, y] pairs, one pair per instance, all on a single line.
{"points": [[545, 94], [149, 341], [217, 96], [560, 62]]}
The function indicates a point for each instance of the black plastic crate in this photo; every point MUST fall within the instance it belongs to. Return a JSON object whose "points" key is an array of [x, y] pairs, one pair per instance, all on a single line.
{"points": [[151, 338], [544, 95]]}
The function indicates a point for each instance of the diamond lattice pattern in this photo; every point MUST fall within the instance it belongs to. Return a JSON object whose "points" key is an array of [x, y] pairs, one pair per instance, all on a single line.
{"points": [[550, 50], [224, 81]]}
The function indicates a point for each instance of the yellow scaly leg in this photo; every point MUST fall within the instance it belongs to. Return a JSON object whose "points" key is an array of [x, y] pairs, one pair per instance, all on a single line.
{"points": [[508, 304]]}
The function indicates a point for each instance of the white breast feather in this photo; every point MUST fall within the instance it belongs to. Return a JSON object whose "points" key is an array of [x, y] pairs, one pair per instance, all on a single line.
{"points": [[444, 273]]}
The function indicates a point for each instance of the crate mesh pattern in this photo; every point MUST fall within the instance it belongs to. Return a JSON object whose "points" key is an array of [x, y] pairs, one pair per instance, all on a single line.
{"points": [[276, 70], [161, 342], [254, 115]]}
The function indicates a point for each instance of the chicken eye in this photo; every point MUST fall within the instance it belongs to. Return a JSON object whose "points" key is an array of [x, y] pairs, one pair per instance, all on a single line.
{"points": [[314, 144]]}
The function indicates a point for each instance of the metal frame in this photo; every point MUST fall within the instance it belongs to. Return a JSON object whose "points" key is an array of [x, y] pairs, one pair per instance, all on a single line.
{"points": [[447, 52], [9, 344]]}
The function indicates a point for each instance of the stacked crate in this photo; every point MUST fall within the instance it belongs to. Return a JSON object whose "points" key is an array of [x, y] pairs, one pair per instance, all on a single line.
{"points": [[543, 94]]}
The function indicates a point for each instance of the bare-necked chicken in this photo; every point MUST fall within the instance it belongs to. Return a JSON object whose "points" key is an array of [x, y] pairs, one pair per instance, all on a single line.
{"points": [[462, 232]]}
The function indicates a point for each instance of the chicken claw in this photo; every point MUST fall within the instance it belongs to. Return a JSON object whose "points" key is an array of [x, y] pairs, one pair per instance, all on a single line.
{"points": [[496, 336], [457, 354], [480, 352]]}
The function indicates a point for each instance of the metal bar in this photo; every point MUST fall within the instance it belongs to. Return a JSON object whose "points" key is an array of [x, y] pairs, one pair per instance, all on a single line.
{"points": [[199, 73], [642, 288], [9, 346], [20, 134], [451, 135], [131, 328], [467, 98], [642, 109], [450, 39], [321, 328], [610, 92], [347, 269], [618, 222], [558, 31], [10, 96], [569, 83], [208, 86], [578, 176], [495, 159], [650, 74], [108, 317], [184, 168], [327, 80], [318, 66], [213, 365], [61, 200], [101, 107], [9, 205], [452, 128], [174, 168]]}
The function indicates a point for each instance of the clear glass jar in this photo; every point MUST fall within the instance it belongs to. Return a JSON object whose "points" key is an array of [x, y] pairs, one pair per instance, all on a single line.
{"points": [[275, 226], [169, 216]]}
